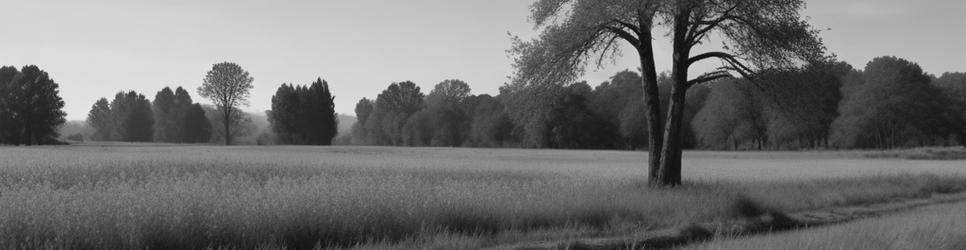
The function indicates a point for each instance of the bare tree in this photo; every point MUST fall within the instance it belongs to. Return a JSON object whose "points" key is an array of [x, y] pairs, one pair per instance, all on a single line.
{"points": [[227, 85]]}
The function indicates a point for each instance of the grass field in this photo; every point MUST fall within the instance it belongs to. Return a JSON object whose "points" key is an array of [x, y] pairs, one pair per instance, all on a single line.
{"points": [[158, 196]]}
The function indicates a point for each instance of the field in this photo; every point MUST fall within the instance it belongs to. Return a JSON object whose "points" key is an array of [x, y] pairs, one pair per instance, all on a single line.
{"points": [[160, 196]]}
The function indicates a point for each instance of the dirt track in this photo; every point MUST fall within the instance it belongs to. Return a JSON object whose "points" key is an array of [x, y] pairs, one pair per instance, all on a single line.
{"points": [[758, 221]]}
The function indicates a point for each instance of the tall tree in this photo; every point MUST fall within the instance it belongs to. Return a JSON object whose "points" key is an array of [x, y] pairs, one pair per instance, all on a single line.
{"points": [[9, 104], [449, 120], [757, 34], [182, 104], [30, 106], [329, 124], [100, 119], [228, 86], [283, 115], [166, 125], [360, 134]]}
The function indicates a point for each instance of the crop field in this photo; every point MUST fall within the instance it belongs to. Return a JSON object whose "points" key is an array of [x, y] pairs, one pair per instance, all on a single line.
{"points": [[123, 196]]}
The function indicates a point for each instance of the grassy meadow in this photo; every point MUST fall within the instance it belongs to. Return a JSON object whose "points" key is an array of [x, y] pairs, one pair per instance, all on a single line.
{"points": [[196, 197]]}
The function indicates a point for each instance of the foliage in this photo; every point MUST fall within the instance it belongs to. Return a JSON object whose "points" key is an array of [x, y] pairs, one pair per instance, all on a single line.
{"points": [[391, 110], [360, 134], [170, 108], [892, 105], [196, 128], [100, 118]]}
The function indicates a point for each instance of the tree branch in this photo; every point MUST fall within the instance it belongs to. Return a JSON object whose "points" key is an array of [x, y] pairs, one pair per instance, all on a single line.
{"points": [[629, 26], [729, 58], [603, 53], [623, 35], [709, 77]]}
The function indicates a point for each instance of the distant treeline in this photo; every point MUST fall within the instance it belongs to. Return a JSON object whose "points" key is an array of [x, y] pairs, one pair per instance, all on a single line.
{"points": [[299, 115], [891, 103], [172, 117]]}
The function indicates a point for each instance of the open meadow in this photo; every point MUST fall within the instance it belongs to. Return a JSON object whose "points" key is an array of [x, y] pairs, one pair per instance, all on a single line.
{"points": [[123, 196]]}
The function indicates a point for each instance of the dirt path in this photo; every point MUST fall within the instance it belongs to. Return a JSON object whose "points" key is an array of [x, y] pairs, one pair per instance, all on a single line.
{"points": [[758, 223]]}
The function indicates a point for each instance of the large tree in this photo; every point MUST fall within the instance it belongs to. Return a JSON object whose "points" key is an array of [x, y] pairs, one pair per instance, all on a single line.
{"points": [[30, 106], [448, 116], [392, 109], [756, 34], [9, 103], [228, 86], [328, 124]]}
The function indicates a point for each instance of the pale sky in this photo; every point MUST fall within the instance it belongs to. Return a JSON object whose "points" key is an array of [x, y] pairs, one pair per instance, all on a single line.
{"points": [[96, 48]]}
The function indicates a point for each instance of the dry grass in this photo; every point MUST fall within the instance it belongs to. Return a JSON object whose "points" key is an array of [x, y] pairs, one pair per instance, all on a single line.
{"points": [[938, 227], [144, 196]]}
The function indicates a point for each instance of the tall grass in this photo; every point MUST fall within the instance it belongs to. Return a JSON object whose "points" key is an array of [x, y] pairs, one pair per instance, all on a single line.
{"points": [[168, 197]]}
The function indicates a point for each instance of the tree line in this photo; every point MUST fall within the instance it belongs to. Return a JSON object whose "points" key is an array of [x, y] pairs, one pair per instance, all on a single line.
{"points": [[31, 112], [891, 103], [299, 115], [172, 117]]}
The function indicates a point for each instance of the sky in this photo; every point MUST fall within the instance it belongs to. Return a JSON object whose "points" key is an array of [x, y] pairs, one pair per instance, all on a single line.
{"points": [[96, 48]]}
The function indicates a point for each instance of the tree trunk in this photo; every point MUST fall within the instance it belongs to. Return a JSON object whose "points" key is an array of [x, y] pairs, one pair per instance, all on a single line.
{"points": [[670, 170], [227, 126], [652, 104]]}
